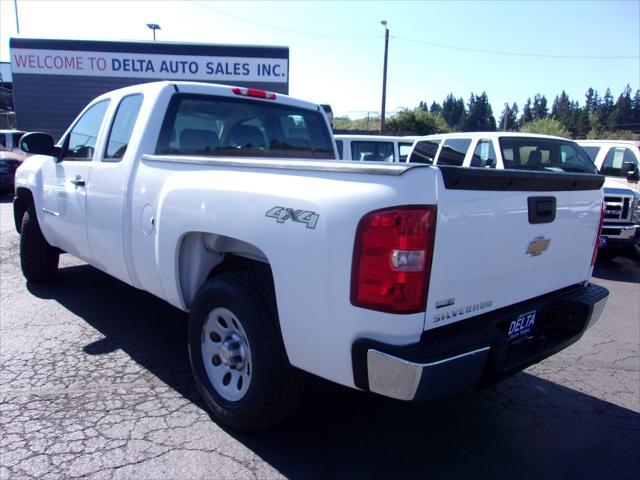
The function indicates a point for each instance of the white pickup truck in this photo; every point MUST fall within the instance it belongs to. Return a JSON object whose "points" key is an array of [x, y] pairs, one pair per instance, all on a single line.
{"points": [[410, 281]]}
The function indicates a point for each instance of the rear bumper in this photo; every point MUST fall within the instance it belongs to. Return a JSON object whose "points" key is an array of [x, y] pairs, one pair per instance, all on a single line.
{"points": [[476, 352]]}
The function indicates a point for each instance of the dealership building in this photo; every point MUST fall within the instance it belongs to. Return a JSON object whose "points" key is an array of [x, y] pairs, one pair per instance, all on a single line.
{"points": [[53, 80]]}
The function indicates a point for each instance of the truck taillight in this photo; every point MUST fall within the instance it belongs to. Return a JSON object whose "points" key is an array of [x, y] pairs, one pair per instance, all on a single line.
{"points": [[254, 92], [598, 233], [392, 259]]}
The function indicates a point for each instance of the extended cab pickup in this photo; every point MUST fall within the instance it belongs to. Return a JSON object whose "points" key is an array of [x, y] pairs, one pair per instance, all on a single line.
{"points": [[410, 281]]}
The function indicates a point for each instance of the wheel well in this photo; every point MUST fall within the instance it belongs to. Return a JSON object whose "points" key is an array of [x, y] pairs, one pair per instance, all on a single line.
{"points": [[22, 201], [203, 256]]}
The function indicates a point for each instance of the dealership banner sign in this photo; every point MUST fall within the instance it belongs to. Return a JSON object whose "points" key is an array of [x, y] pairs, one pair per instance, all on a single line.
{"points": [[148, 66]]}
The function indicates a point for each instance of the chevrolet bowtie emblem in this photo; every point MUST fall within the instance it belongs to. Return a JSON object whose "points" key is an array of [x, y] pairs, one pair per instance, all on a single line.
{"points": [[537, 246]]}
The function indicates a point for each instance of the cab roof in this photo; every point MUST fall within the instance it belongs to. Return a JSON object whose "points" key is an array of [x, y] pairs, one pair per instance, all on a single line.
{"points": [[207, 89], [490, 135]]}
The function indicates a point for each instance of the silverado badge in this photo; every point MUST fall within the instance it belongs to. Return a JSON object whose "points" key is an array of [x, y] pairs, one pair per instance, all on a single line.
{"points": [[537, 246]]}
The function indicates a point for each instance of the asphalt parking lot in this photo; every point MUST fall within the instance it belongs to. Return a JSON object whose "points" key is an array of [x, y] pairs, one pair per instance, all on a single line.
{"points": [[95, 382]]}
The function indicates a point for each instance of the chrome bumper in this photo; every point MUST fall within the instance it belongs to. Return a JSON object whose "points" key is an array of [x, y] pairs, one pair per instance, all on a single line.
{"points": [[396, 378], [627, 232], [386, 372]]}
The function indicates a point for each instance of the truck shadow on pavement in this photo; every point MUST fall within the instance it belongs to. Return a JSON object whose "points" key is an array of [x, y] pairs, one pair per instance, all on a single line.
{"points": [[619, 269], [526, 427]]}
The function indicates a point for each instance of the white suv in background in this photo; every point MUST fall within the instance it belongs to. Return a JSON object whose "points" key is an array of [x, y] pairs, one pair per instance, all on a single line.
{"points": [[521, 151], [373, 148], [618, 160]]}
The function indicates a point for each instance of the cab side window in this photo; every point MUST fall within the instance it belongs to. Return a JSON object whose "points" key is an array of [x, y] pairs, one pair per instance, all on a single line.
{"points": [[340, 146], [424, 151], [484, 156], [81, 140], [372, 151], [404, 149], [453, 151], [612, 164], [122, 127]]}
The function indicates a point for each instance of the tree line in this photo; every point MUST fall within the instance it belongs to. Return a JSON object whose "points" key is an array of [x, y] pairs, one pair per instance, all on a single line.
{"points": [[598, 117]]}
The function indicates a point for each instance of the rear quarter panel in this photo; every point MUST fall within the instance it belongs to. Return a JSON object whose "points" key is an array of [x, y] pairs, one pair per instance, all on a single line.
{"points": [[311, 266]]}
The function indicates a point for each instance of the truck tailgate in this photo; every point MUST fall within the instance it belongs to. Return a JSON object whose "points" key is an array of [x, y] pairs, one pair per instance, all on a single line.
{"points": [[497, 242]]}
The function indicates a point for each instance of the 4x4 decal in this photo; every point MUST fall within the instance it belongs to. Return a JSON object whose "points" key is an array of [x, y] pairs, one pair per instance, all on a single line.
{"points": [[282, 214]]}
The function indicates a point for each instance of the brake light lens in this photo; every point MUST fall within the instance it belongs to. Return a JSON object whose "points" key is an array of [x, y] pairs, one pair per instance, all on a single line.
{"points": [[392, 259], [254, 92], [598, 233]]}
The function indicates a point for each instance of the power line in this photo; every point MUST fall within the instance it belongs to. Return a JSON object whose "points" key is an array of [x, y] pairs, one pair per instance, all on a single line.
{"points": [[414, 40], [288, 30], [516, 54]]}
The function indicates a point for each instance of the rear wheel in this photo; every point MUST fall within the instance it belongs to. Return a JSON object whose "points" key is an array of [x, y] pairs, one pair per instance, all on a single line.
{"points": [[38, 259], [237, 354]]}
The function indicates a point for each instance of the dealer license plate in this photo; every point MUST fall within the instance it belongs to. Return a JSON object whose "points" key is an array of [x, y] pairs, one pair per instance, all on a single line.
{"points": [[522, 326]]}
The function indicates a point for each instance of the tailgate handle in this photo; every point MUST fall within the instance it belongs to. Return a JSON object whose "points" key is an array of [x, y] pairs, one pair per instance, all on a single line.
{"points": [[542, 209]]}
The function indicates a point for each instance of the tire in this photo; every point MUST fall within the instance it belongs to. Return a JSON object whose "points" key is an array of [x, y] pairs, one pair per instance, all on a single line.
{"points": [[250, 348], [38, 259]]}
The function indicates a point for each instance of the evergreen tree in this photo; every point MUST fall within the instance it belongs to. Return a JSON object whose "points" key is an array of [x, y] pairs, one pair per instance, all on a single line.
{"points": [[510, 114], [606, 107], [480, 116], [435, 109], [562, 110], [453, 112], [589, 104], [423, 106], [579, 121], [527, 114], [540, 110], [635, 112], [621, 116]]}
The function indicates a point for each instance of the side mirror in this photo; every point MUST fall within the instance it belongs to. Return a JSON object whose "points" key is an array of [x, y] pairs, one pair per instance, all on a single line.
{"points": [[38, 143]]}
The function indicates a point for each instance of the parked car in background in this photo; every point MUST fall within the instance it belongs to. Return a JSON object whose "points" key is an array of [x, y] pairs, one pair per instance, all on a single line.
{"points": [[9, 162], [10, 139], [374, 148], [618, 160], [521, 151]]}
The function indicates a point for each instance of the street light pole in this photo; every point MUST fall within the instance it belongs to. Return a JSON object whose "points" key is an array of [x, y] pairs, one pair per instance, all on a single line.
{"points": [[154, 27], [384, 75], [15, 5]]}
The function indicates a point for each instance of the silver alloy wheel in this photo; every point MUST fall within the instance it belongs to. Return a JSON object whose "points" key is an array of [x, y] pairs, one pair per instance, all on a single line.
{"points": [[226, 354]]}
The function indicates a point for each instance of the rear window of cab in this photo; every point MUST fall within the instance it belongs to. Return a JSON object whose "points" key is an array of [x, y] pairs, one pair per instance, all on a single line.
{"points": [[544, 154], [215, 126]]}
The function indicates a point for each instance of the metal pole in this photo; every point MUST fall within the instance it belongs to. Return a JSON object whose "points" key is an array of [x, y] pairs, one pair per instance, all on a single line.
{"points": [[384, 75], [15, 4], [154, 34], [506, 117]]}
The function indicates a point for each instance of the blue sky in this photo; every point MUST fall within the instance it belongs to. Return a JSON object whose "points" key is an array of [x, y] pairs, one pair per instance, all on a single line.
{"points": [[336, 48]]}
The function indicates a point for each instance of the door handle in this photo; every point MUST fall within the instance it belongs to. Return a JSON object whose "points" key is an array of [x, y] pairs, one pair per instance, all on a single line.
{"points": [[78, 181]]}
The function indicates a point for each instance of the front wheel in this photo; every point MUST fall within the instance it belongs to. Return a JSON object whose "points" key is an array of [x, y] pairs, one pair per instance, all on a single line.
{"points": [[237, 354], [38, 259]]}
